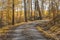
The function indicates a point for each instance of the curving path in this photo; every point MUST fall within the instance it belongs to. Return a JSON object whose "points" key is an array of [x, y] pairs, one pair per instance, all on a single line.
{"points": [[25, 32]]}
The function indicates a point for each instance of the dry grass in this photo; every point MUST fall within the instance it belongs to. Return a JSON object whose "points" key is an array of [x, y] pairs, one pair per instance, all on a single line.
{"points": [[48, 33]]}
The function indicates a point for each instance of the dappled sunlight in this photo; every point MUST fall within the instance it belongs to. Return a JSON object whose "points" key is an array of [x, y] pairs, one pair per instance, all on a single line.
{"points": [[30, 19]]}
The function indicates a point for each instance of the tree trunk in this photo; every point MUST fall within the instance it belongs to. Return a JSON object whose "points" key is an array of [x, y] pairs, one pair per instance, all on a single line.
{"points": [[25, 13], [13, 12], [38, 8]]}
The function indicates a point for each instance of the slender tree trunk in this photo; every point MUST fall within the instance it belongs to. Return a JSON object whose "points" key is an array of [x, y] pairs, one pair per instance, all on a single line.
{"points": [[25, 13], [12, 12], [57, 7], [31, 10], [53, 10], [2, 15], [1, 19], [7, 12], [16, 15], [42, 7], [20, 18], [49, 10], [38, 8], [35, 11]]}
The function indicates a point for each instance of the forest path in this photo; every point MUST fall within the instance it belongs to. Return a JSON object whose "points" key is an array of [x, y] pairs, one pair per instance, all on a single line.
{"points": [[26, 31]]}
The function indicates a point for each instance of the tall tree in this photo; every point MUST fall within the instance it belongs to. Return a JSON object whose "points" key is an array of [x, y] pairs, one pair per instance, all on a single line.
{"points": [[42, 7], [1, 18], [37, 10], [13, 12], [53, 9], [20, 18], [49, 10], [25, 12], [8, 9], [31, 10], [1, 14]]}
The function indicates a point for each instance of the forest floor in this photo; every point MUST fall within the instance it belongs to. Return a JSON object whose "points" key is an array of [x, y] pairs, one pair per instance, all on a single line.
{"points": [[25, 31]]}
